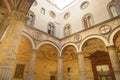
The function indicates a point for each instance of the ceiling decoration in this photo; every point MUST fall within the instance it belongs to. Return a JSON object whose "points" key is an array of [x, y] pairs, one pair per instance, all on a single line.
{"points": [[3, 14], [84, 5], [69, 53], [104, 29], [47, 52], [20, 5], [3, 11], [93, 45], [67, 15]]}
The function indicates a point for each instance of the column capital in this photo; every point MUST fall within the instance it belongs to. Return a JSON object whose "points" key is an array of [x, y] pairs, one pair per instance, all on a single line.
{"points": [[79, 53], [60, 57], [111, 47], [17, 16], [34, 50]]}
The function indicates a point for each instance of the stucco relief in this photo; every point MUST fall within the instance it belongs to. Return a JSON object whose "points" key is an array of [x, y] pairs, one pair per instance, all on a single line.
{"points": [[77, 38], [37, 36]]}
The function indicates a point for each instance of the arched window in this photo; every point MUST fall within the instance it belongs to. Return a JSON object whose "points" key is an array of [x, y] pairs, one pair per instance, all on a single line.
{"points": [[112, 10], [87, 21], [67, 30], [51, 29], [31, 18]]}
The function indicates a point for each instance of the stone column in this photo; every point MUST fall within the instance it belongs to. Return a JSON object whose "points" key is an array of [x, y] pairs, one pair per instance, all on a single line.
{"points": [[30, 73], [114, 61], [10, 42], [60, 68], [81, 65]]}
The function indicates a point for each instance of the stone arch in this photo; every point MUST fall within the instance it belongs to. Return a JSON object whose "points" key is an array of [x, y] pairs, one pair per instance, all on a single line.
{"points": [[90, 37], [72, 44], [31, 40], [49, 42], [113, 34]]}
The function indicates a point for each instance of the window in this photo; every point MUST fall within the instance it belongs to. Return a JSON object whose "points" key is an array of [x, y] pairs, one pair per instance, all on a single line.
{"points": [[84, 5], [19, 71], [34, 3], [67, 15], [67, 30], [87, 21], [42, 10], [51, 29], [112, 10], [31, 18]]}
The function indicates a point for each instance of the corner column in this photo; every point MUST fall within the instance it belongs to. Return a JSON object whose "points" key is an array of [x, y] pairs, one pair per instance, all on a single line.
{"points": [[9, 44], [114, 61], [60, 68], [81, 66], [30, 73]]}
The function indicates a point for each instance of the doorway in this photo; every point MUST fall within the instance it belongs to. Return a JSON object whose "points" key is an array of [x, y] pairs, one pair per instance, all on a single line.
{"points": [[101, 65]]}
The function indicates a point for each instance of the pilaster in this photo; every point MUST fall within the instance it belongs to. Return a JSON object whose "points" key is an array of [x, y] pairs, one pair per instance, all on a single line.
{"points": [[10, 42]]}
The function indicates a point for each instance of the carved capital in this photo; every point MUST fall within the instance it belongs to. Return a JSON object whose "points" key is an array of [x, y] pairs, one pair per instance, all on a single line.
{"points": [[18, 16]]}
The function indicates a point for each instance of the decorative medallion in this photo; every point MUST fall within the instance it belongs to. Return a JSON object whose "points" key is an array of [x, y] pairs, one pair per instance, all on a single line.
{"points": [[84, 5], [37, 36], [67, 15], [77, 38], [104, 29]]}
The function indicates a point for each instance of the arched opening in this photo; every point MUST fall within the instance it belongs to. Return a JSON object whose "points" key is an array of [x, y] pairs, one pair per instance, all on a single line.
{"points": [[22, 58], [70, 63], [46, 62], [87, 21], [97, 60]]}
